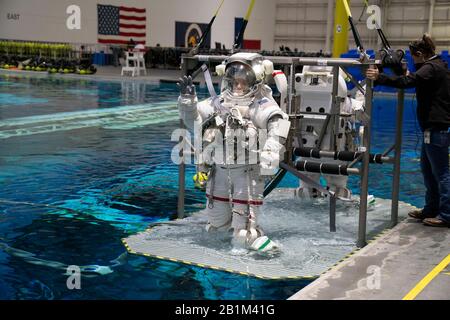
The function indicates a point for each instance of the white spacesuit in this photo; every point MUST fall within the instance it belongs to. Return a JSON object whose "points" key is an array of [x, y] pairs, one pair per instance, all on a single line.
{"points": [[237, 120], [315, 86]]}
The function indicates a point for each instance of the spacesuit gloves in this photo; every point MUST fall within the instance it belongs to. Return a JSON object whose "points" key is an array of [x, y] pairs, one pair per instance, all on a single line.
{"points": [[270, 156], [186, 86], [358, 107], [359, 96], [278, 129]]}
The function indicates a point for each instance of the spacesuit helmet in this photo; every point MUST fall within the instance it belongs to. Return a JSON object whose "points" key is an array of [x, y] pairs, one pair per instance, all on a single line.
{"points": [[239, 79], [243, 74]]}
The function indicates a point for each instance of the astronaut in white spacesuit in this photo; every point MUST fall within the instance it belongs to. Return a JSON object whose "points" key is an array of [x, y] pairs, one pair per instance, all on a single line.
{"points": [[250, 126]]}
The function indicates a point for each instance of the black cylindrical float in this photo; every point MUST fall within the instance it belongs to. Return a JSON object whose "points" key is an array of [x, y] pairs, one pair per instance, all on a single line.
{"points": [[306, 152], [323, 168]]}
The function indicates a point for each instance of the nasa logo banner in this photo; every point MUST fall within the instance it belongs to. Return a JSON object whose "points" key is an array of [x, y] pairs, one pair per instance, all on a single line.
{"points": [[187, 34], [238, 22], [246, 43]]}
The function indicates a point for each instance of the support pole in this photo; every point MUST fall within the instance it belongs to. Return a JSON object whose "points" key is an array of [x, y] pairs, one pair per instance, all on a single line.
{"points": [[333, 213], [397, 158], [181, 177], [291, 87], [431, 16], [330, 19], [340, 32], [182, 165], [361, 242], [335, 109]]}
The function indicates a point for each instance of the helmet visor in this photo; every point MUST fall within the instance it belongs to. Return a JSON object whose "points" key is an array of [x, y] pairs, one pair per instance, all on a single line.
{"points": [[239, 79]]}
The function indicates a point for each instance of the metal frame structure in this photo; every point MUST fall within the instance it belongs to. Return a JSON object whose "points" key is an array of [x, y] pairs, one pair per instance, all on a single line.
{"points": [[293, 106]]}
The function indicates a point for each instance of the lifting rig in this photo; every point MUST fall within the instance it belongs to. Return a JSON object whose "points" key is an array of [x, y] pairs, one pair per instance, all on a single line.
{"points": [[297, 168]]}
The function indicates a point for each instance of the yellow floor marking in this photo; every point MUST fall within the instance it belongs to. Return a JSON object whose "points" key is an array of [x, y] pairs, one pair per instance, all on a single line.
{"points": [[425, 281]]}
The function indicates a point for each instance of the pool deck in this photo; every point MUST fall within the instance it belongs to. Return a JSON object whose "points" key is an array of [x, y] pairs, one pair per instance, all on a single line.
{"points": [[111, 73], [154, 76], [410, 262]]}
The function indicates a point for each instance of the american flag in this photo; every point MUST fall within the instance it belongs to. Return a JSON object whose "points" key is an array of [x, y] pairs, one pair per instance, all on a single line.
{"points": [[120, 24]]}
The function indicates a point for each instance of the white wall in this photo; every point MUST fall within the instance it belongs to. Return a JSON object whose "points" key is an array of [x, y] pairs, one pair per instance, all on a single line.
{"points": [[45, 20], [296, 23], [406, 20], [302, 23]]}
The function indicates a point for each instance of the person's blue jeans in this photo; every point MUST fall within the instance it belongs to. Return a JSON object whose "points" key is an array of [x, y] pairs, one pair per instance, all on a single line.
{"points": [[435, 169]]}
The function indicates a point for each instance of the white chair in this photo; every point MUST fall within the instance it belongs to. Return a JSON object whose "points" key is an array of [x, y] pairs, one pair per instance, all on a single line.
{"points": [[140, 62], [133, 70], [130, 64], [134, 62]]}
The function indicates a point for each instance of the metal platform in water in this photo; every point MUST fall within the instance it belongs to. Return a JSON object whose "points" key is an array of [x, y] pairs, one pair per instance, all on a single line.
{"points": [[301, 228]]}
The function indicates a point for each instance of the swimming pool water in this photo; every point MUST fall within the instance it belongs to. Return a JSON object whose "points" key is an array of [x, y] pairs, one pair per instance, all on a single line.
{"points": [[84, 164]]}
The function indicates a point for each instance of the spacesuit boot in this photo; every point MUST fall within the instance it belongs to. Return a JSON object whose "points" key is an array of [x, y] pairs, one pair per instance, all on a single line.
{"points": [[306, 191], [247, 234], [338, 184]]}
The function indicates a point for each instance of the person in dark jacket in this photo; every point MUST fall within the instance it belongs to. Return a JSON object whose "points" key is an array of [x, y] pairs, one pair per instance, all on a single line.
{"points": [[432, 83]]}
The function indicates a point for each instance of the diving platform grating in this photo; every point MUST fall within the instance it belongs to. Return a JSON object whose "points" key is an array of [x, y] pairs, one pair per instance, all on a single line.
{"points": [[300, 227]]}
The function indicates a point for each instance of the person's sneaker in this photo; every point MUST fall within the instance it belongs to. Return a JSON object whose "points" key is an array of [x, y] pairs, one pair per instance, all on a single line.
{"points": [[418, 214], [435, 222]]}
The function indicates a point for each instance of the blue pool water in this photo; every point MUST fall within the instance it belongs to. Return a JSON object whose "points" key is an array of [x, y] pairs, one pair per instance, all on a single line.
{"points": [[84, 164]]}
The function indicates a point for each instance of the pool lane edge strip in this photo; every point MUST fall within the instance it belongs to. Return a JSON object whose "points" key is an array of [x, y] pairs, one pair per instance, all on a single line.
{"points": [[427, 279], [201, 265], [89, 77]]}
